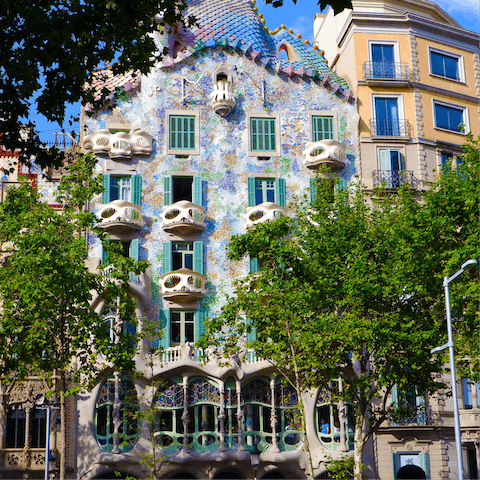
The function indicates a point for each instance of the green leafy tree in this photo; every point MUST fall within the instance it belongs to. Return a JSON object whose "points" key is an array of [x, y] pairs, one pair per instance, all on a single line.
{"points": [[48, 327], [351, 288]]}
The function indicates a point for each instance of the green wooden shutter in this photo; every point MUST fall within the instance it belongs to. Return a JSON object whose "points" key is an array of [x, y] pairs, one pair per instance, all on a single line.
{"points": [[133, 253], [251, 191], [198, 257], [254, 267], [313, 190], [197, 190], [106, 191], [105, 253], [164, 340], [252, 335], [394, 396], [167, 257], [322, 128], [280, 195], [425, 463], [200, 317], [167, 190], [136, 189], [396, 464]]}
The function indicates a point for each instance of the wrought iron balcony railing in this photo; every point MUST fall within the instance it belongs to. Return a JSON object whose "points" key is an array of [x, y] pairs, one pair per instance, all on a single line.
{"points": [[386, 71], [394, 178], [390, 128]]}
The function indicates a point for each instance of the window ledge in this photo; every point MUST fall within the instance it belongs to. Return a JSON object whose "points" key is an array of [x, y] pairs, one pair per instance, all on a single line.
{"points": [[461, 82], [450, 131]]}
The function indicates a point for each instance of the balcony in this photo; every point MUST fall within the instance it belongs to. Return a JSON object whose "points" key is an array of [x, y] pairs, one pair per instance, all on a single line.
{"points": [[263, 213], [120, 216], [22, 459], [393, 179], [222, 99], [390, 128], [325, 152], [183, 286], [386, 73], [118, 145], [183, 218]]}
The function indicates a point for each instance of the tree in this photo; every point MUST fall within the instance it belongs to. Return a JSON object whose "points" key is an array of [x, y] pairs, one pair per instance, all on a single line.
{"points": [[351, 288], [47, 325], [337, 5]]}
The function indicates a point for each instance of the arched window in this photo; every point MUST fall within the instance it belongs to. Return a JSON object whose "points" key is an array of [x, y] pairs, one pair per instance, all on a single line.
{"points": [[257, 408], [169, 403], [104, 415], [288, 417], [203, 410]]}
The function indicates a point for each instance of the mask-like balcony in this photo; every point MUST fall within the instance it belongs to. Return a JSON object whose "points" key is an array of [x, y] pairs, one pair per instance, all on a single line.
{"points": [[118, 145], [222, 99], [183, 218], [120, 216], [265, 212], [183, 286], [325, 152]]}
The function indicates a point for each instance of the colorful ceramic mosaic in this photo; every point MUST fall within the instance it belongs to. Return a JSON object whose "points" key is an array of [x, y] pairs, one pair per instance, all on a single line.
{"points": [[203, 391], [257, 391], [170, 396]]}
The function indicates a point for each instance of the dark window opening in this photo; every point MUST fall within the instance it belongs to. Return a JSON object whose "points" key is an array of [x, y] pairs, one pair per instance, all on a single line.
{"points": [[182, 188]]}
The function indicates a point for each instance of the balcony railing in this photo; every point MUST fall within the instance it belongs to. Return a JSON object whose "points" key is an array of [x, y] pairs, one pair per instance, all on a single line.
{"points": [[386, 71], [390, 128], [120, 216], [394, 178], [265, 212], [325, 152], [183, 286], [20, 459], [183, 218], [420, 416]]}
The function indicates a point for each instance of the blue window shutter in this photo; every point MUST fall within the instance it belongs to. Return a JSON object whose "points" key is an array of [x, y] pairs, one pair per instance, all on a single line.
{"points": [[313, 190], [251, 191], [394, 397], [167, 257], [136, 189], [165, 323], [198, 257], [133, 253], [425, 463], [200, 317], [280, 196], [106, 191], [396, 464], [167, 190], [197, 190], [252, 335], [254, 268]]}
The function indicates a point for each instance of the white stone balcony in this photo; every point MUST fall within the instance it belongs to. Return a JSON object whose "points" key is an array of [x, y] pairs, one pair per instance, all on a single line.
{"points": [[325, 152], [118, 145], [183, 286], [183, 218], [120, 216], [265, 212], [222, 99]]}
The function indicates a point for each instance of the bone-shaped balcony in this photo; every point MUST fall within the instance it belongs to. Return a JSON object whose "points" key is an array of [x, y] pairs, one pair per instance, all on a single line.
{"points": [[120, 216], [325, 152], [118, 145], [183, 218], [183, 286], [265, 212]]}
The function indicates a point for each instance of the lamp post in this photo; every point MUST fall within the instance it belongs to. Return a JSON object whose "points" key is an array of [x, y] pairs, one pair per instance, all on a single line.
{"points": [[458, 439], [255, 459]]}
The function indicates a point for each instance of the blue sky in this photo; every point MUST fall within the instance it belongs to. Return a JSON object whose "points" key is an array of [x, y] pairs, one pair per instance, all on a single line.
{"points": [[299, 17]]}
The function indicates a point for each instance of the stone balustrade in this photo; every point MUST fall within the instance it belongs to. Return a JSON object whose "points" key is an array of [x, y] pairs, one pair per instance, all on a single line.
{"points": [[118, 145], [265, 212], [325, 152], [119, 216], [183, 286], [183, 218]]}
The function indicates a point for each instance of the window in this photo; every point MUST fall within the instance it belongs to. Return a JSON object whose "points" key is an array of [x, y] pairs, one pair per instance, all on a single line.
{"points": [[383, 60], [127, 327], [387, 117], [470, 390], [128, 249], [177, 188], [16, 420], [261, 190], [445, 64], [128, 188], [410, 407], [264, 136], [322, 128], [411, 465], [177, 255], [450, 117], [390, 161], [183, 132], [180, 326]]}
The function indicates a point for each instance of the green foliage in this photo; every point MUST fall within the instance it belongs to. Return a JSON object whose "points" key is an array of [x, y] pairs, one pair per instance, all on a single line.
{"points": [[341, 468], [337, 5]]}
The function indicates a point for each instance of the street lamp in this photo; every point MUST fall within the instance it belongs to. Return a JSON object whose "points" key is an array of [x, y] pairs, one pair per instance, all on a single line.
{"points": [[458, 439], [255, 459]]}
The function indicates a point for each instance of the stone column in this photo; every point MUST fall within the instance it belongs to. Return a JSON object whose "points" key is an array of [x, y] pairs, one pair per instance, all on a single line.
{"points": [[239, 415], [116, 414], [185, 417], [273, 417], [221, 418]]}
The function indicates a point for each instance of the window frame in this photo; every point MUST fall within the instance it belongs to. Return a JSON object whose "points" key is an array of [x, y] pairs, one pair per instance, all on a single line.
{"points": [[135, 193], [464, 110], [460, 64], [182, 113], [394, 43], [319, 113], [265, 153], [400, 108]]}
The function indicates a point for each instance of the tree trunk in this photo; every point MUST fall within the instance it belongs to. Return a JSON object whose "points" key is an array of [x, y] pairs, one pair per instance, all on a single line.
{"points": [[360, 429]]}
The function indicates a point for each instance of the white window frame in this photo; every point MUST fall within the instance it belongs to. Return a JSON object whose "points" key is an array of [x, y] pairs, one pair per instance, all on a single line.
{"points": [[185, 113], [466, 122], [461, 66], [322, 113], [277, 151], [400, 150], [396, 49]]}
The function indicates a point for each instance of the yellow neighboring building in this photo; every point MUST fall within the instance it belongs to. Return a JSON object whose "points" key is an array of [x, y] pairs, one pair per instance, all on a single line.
{"points": [[415, 73]]}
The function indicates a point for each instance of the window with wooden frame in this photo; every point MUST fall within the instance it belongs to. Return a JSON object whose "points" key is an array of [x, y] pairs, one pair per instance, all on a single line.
{"points": [[183, 132]]}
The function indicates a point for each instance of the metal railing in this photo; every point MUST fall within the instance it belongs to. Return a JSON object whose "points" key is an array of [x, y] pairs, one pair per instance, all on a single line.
{"points": [[394, 178], [390, 128], [386, 71]]}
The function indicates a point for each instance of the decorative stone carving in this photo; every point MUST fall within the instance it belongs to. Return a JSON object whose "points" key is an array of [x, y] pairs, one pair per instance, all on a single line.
{"points": [[265, 212], [183, 286], [183, 218], [325, 152], [120, 216], [27, 390], [222, 99], [118, 145]]}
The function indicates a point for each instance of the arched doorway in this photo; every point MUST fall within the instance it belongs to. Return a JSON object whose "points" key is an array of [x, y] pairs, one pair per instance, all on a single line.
{"points": [[411, 472], [227, 474]]}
